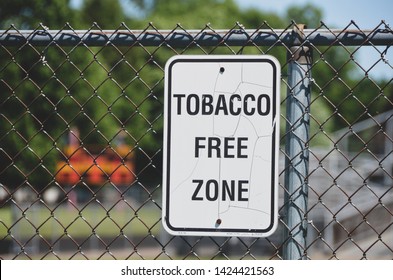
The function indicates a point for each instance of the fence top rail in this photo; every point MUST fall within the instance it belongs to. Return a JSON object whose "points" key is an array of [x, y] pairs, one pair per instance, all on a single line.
{"points": [[206, 37]]}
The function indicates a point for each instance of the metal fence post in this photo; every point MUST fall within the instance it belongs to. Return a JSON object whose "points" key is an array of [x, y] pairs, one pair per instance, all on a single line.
{"points": [[297, 158]]}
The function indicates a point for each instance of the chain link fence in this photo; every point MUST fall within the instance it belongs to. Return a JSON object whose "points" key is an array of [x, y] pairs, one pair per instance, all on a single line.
{"points": [[81, 116]]}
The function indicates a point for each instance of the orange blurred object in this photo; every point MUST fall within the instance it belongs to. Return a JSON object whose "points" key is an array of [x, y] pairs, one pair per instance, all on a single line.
{"points": [[110, 165]]}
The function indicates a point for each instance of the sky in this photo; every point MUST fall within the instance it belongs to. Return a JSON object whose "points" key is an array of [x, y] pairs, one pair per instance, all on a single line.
{"points": [[367, 14], [338, 13]]}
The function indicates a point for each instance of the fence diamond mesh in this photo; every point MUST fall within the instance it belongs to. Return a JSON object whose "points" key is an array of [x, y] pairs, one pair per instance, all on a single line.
{"points": [[81, 116]]}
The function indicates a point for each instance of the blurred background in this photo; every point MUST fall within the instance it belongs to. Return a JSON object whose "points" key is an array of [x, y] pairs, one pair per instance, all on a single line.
{"points": [[81, 130]]}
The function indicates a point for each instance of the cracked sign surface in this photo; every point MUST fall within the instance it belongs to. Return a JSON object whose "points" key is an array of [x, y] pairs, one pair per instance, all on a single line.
{"points": [[221, 140]]}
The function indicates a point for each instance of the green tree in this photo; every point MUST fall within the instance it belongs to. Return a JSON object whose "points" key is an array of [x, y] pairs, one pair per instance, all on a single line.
{"points": [[28, 14], [339, 83], [27, 86], [46, 90], [306, 14], [105, 90], [107, 14]]}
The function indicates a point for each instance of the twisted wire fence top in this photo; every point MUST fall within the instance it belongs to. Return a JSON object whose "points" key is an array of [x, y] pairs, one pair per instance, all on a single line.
{"points": [[180, 37]]}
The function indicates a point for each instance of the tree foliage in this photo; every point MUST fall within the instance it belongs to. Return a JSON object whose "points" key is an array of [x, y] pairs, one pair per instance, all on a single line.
{"points": [[45, 91]]}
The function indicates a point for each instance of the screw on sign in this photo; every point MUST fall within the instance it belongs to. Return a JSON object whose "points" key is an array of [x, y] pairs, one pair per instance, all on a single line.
{"points": [[221, 145]]}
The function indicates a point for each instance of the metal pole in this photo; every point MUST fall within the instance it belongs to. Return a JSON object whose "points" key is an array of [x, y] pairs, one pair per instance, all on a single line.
{"points": [[388, 149], [179, 38], [297, 157]]}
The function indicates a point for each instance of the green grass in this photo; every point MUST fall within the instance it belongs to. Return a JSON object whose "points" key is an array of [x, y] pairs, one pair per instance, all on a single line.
{"points": [[78, 223]]}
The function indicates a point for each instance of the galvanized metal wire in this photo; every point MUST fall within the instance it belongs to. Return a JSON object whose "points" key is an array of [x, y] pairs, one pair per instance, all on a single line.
{"points": [[81, 115]]}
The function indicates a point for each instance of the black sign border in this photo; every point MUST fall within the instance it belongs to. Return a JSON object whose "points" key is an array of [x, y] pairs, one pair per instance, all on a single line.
{"points": [[273, 218]]}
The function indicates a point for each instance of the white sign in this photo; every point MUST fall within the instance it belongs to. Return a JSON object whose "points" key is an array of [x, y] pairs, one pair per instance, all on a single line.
{"points": [[221, 136]]}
